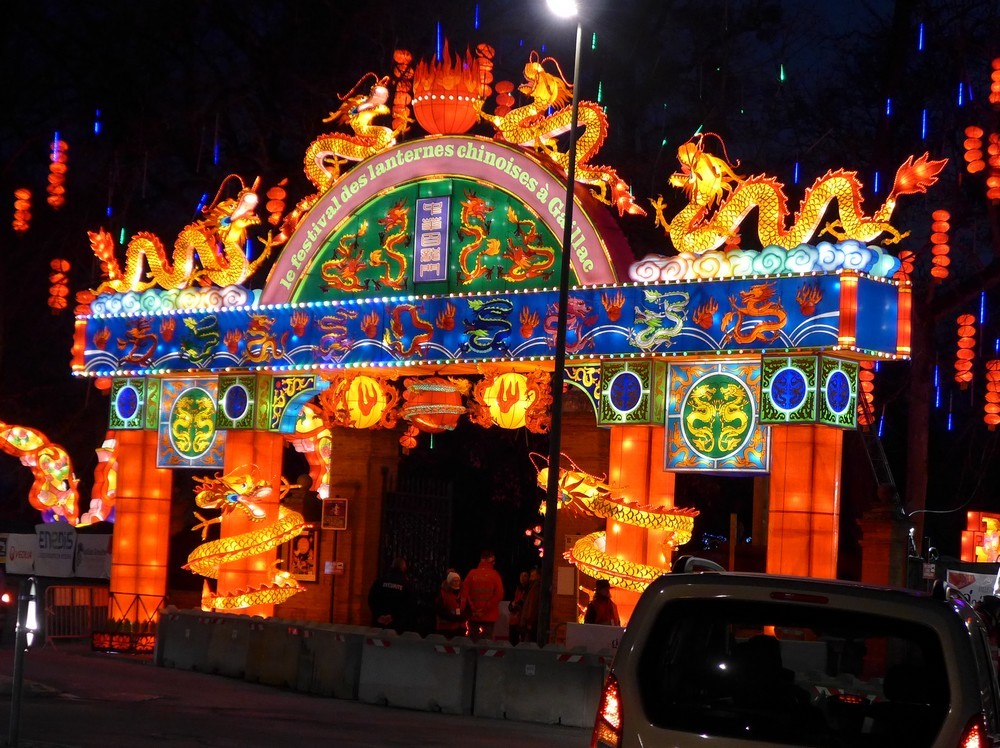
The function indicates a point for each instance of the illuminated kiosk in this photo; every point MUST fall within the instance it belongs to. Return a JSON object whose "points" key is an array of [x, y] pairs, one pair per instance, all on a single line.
{"points": [[414, 288]]}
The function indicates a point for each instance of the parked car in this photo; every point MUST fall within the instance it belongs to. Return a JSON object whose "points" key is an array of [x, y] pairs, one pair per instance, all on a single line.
{"points": [[733, 659]]}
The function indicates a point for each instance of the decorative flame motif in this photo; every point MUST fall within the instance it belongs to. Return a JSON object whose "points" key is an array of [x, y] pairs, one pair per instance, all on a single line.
{"points": [[529, 321], [613, 305], [446, 319], [809, 296], [582, 492], [703, 314]]}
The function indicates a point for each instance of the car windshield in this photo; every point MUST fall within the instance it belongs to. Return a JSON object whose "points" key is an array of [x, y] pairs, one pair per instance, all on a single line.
{"points": [[794, 674]]}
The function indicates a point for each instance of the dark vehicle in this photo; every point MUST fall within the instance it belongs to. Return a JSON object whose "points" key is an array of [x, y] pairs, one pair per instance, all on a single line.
{"points": [[729, 659]]}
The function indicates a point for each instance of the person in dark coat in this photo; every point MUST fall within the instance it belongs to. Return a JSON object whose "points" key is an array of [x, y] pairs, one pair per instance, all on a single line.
{"points": [[448, 608], [392, 599], [531, 607], [602, 609]]}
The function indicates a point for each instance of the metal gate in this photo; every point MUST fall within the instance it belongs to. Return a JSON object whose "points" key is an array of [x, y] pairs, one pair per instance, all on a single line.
{"points": [[416, 525]]}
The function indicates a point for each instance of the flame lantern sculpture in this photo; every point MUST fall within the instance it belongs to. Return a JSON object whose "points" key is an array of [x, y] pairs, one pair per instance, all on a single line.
{"points": [[53, 491], [446, 93], [966, 349], [992, 406]]}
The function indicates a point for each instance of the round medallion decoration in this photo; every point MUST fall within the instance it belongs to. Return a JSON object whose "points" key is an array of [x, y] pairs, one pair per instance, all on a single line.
{"points": [[838, 392], [717, 416], [236, 402], [788, 388], [192, 422], [127, 402], [625, 392]]}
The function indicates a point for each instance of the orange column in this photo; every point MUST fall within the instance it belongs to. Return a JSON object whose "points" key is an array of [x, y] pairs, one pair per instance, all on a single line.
{"points": [[263, 449], [804, 514], [142, 529], [636, 474]]}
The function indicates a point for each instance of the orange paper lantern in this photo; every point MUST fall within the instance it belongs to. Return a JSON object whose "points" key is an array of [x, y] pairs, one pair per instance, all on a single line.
{"points": [[57, 173], [434, 404], [995, 83], [59, 288], [22, 210], [939, 245], [992, 406], [965, 352]]}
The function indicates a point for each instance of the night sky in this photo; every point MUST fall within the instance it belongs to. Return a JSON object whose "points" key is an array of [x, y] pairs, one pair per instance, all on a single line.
{"points": [[159, 101]]}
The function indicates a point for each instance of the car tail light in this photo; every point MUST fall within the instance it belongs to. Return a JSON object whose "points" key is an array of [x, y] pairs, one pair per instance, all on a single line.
{"points": [[975, 734], [608, 724]]}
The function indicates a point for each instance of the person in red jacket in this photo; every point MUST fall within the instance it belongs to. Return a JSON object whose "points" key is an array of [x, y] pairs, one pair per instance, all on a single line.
{"points": [[483, 591]]}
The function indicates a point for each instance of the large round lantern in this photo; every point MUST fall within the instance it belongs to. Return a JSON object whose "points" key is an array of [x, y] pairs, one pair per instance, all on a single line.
{"points": [[511, 400], [434, 404], [508, 399], [359, 401], [446, 93]]}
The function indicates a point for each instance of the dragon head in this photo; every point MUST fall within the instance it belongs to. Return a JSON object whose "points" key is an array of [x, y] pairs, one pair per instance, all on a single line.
{"points": [[703, 176], [546, 89]]}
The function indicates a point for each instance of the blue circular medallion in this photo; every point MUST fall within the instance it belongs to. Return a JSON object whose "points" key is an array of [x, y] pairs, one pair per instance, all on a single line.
{"points": [[788, 388], [236, 402], [625, 392], [838, 392], [127, 402]]}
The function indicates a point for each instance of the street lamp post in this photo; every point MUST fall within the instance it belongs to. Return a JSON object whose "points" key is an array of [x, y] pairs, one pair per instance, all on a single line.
{"points": [[566, 8]]}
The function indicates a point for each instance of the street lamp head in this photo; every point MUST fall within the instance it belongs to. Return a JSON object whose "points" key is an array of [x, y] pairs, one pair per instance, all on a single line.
{"points": [[563, 8]]}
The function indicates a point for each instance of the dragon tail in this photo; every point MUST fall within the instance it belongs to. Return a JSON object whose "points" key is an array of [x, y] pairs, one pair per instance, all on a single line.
{"points": [[103, 245], [916, 176]]}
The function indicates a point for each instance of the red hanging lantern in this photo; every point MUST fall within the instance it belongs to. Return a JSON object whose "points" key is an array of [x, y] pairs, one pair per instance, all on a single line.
{"points": [[434, 405], [275, 205], [484, 56], [992, 406], [966, 350], [57, 173], [906, 260], [866, 381], [446, 97], [993, 180], [59, 288], [939, 241], [995, 83], [505, 99], [974, 149], [22, 210], [402, 77]]}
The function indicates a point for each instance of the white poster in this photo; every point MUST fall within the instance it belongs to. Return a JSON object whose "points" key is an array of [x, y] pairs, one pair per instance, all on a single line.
{"points": [[93, 556], [972, 585], [21, 550], [56, 546]]}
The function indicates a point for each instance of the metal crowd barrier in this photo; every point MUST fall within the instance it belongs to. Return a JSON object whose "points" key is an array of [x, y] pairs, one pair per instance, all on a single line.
{"points": [[74, 612]]}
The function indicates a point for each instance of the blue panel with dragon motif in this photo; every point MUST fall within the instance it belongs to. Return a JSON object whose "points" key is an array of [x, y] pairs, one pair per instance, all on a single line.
{"points": [[712, 422], [187, 436], [784, 314]]}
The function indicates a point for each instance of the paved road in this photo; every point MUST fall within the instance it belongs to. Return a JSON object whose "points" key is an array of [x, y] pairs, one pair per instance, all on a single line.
{"points": [[75, 697]]}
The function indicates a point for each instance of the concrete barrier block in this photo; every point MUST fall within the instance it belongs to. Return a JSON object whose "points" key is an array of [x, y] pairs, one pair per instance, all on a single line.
{"points": [[433, 674], [273, 652], [330, 660], [182, 638], [228, 644], [549, 685]]}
